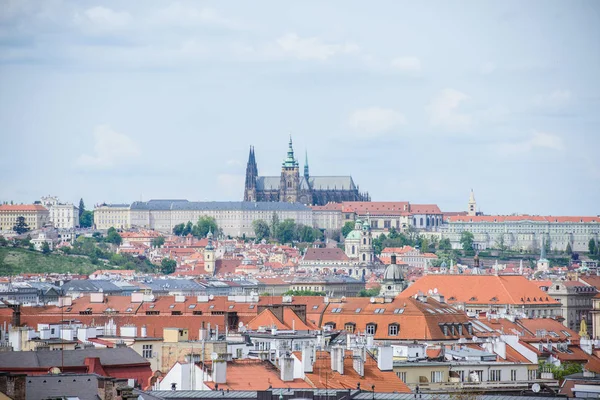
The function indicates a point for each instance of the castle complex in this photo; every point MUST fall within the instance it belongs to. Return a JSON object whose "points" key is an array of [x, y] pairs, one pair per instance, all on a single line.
{"points": [[290, 187]]}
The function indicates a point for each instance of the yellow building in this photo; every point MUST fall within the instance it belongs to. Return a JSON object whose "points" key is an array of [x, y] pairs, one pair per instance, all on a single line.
{"points": [[36, 216], [112, 216]]}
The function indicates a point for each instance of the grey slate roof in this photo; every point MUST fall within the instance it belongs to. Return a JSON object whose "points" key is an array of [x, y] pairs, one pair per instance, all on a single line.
{"points": [[49, 359], [89, 285], [159, 285], [316, 183], [81, 386], [217, 205]]}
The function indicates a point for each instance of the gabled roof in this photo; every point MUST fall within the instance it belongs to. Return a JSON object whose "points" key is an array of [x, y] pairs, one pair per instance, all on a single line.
{"points": [[482, 289], [22, 207], [325, 254], [521, 218]]}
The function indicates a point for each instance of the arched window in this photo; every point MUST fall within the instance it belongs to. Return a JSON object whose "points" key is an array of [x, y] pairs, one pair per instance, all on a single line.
{"points": [[364, 241], [289, 184], [421, 221], [393, 329]]}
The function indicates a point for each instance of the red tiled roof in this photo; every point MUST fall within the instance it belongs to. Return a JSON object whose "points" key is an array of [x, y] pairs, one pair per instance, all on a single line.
{"points": [[22, 207], [519, 218], [327, 254]]}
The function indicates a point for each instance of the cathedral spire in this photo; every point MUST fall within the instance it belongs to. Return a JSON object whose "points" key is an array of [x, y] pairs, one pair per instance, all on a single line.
{"points": [[290, 161], [306, 174]]}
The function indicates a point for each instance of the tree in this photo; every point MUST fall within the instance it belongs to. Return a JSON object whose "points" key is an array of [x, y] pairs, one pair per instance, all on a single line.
{"points": [[21, 226], [274, 224], [204, 225], [158, 241], [369, 292], [178, 229], [86, 220], [167, 266], [286, 231], [187, 229], [569, 250], [112, 236], [445, 245], [3, 241], [261, 229], [592, 246], [424, 244], [501, 243], [347, 228], [466, 240], [46, 248], [81, 209]]}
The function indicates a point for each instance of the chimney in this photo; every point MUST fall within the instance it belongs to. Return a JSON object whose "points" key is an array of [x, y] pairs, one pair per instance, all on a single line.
{"points": [[393, 259], [144, 331], [286, 367], [337, 359], [202, 333], [385, 358], [219, 371], [307, 359], [358, 360], [16, 315]]}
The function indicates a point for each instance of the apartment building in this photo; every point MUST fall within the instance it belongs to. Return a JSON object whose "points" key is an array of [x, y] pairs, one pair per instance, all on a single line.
{"points": [[36, 216]]}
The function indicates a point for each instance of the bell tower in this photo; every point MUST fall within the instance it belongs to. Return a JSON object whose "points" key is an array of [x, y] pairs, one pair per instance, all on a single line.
{"points": [[290, 177], [472, 204]]}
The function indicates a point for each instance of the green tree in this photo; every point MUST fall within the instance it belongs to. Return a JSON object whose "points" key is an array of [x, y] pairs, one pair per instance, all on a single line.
{"points": [[158, 241], [204, 225], [466, 240], [21, 226], [81, 208], [424, 244], [286, 231], [592, 246], [178, 229], [274, 224], [167, 266], [3, 241], [445, 245], [347, 228], [501, 244], [189, 227], [261, 229], [369, 292], [87, 219], [379, 243], [112, 236], [569, 250], [46, 248]]}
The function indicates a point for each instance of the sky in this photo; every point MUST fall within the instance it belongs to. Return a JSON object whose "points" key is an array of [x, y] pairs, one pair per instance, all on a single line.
{"points": [[118, 101]]}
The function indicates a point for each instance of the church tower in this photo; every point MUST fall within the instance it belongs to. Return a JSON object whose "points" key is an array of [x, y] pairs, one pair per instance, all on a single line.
{"points": [[306, 174], [472, 204], [209, 255], [290, 177], [251, 175]]}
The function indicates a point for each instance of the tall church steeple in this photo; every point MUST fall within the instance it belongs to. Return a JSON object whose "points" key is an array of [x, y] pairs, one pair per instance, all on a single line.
{"points": [[306, 174], [251, 175], [289, 185], [472, 204]]}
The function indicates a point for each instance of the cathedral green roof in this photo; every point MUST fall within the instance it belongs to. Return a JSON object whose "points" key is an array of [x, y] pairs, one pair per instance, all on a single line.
{"points": [[353, 235]]}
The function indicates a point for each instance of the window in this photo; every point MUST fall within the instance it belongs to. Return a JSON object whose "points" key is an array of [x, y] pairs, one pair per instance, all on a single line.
{"points": [[393, 330], [147, 351], [494, 375], [532, 374], [371, 328], [513, 375], [191, 306], [349, 327], [336, 310], [402, 376], [238, 353], [357, 310], [398, 310], [437, 376], [379, 310]]}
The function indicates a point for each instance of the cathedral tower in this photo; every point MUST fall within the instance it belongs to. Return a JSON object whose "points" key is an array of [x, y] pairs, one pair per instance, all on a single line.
{"points": [[290, 177], [251, 175]]}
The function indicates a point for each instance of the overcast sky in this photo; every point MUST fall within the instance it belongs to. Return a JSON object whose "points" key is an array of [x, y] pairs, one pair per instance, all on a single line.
{"points": [[118, 101]]}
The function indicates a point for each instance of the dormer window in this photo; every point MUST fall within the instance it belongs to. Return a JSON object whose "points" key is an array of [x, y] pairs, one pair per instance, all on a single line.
{"points": [[393, 329]]}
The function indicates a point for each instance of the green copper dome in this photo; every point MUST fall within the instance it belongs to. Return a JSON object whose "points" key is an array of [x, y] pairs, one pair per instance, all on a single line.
{"points": [[353, 235]]}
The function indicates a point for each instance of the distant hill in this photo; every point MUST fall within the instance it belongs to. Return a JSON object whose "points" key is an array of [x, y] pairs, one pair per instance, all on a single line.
{"points": [[14, 261]]}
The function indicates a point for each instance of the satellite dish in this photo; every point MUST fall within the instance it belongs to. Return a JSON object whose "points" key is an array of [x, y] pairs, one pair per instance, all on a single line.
{"points": [[211, 297], [372, 299], [214, 356], [430, 292], [536, 387], [241, 324], [435, 290]]}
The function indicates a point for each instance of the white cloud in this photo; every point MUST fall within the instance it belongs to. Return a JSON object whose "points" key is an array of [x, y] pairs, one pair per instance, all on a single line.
{"points": [[488, 68], [313, 48], [538, 140], [444, 112], [407, 64], [375, 120], [178, 15], [230, 184], [557, 99], [110, 149], [103, 20]]}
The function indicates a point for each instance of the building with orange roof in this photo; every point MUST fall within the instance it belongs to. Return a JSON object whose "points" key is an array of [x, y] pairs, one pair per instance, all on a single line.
{"points": [[407, 255], [36, 216], [495, 293], [523, 232]]}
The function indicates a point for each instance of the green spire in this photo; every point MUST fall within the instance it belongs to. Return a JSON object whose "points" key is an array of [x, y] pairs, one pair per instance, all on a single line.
{"points": [[290, 161], [306, 164]]}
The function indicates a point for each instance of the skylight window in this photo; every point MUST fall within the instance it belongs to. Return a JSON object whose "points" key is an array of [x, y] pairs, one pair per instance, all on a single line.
{"points": [[251, 306], [172, 306], [231, 306], [440, 311], [212, 306], [567, 334], [192, 306], [129, 309], [336, 310], [398, 310], [431, 311], [379, 310], [553, 334], [357, 310], [151, 306], [315, 307]]}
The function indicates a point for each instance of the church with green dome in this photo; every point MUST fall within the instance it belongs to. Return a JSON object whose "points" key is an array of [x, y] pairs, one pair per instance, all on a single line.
{"points": [[359, 243]]}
